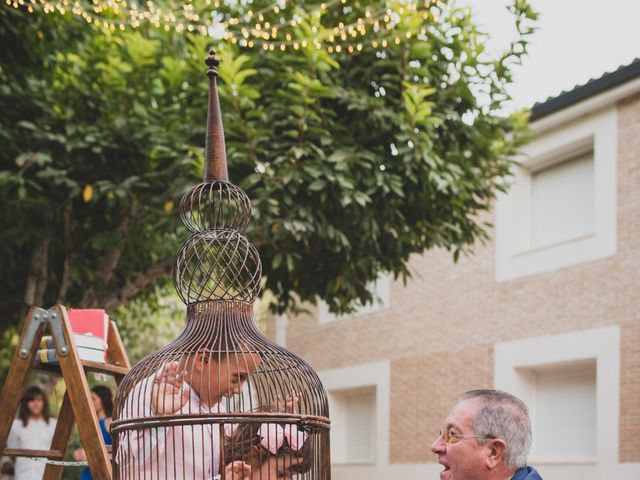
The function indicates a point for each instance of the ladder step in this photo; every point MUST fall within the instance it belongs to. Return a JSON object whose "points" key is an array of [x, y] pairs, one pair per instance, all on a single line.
{"points": [[115, 370], [25, 452], [102, 367]]}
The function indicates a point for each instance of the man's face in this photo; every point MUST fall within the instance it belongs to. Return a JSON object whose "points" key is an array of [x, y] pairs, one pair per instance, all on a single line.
{"points": [[226, 377], [462, 458]]}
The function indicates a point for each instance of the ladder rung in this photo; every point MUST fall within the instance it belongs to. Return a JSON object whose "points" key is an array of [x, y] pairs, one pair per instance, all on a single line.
{"points": [[114, 370], [25, 452], [104, 368]]}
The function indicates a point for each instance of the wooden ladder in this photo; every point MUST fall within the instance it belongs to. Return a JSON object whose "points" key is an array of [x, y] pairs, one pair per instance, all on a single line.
{"points": [[76, 404]]}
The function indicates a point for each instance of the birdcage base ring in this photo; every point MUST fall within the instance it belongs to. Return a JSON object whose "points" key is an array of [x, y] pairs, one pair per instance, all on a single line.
{"points": [[306, 422]]}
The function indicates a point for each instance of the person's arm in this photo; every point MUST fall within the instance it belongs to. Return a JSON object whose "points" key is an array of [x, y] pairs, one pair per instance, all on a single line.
{"points": [[139, 444], [14, 437], [164, 393], [237, 470]]}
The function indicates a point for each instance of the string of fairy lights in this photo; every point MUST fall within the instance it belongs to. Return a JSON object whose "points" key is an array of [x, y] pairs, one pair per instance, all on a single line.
{"points": [[288, 28]]}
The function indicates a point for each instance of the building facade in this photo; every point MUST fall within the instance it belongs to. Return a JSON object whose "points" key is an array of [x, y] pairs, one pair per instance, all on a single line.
{"points": [[548, 309]]}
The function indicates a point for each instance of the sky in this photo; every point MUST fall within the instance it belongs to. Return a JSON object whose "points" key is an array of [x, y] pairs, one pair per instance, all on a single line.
{"points": [[576, 40]]}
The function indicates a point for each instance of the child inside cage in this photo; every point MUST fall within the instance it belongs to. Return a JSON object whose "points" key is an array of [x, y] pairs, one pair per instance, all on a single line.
{"points": [[273, 450], [195, 384]]}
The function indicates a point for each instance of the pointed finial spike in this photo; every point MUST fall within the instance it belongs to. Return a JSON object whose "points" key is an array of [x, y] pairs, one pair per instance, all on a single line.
{"points": [[215, 154], [212, 62]]}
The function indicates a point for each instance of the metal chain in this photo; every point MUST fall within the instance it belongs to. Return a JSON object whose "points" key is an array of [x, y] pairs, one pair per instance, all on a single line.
{"points": [[59, 462]]}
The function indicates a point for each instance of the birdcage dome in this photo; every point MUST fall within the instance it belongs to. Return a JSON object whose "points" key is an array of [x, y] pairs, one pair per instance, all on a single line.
{"points": [[213, 419]]}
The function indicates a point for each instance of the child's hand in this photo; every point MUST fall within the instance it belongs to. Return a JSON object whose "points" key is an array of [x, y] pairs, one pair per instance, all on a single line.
{"points": [[167, 394], [237, 470], [289, 404]]}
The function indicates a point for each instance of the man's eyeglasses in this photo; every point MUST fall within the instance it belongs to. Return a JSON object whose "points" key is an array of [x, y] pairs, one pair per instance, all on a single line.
{"points": [[448, 437]]}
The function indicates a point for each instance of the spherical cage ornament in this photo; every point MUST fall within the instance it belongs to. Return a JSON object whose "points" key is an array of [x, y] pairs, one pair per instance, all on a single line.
{"points": [[215, 204], [217, 265]]}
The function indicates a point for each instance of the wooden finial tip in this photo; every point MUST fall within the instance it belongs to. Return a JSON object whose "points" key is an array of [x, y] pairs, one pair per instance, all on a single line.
{"points": [[212, 62]]}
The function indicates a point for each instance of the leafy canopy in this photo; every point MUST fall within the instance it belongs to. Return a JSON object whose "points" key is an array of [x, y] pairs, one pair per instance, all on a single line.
{"points": [[353, 161]]}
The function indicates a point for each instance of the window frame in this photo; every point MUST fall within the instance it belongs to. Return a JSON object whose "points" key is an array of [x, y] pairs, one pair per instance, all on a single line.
{"points": [[516, 361], [374, 377], [515, 258]]}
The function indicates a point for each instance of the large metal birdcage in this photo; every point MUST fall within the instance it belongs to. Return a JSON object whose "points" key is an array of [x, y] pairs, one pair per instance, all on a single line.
{"points": [[222, 400]]}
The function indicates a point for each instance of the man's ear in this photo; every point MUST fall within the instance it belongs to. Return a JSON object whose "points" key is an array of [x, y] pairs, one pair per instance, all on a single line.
{"points": [[497, 449]]}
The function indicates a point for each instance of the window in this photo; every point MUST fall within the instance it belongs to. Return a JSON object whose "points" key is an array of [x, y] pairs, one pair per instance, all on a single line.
{"points": [[561, 203], [574, 411], [380, 289], [354, 426], [565, 412], [561, 207], [359, 402]]}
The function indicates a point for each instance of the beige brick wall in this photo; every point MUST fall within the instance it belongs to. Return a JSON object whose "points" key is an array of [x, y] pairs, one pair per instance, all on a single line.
{"points": [[441, 327], [630, 394], [422, 393], [629, 297]]}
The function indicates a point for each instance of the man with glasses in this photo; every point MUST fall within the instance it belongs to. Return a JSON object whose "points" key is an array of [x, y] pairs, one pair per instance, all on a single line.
{"points": [[487, 436]]}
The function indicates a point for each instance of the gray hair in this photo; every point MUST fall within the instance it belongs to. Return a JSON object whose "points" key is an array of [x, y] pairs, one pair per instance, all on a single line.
{"points": [[506, 417]]}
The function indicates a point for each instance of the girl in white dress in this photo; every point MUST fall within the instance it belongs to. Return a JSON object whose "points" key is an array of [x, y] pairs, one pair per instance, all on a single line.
{"points": [[33, 429]]}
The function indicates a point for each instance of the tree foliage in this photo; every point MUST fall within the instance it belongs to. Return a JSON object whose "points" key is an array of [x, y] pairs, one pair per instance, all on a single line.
{"points": [[353, 161]]}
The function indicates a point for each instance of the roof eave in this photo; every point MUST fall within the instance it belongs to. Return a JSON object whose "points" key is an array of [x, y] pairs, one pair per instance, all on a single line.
{"points": [[584, 104], [589, 89]]}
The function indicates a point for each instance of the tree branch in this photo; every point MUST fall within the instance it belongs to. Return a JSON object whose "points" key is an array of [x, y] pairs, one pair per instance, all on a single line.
{"points": [[136, 285], [36, 280], [111, 260], [43, 275], [34, 289], [108, 266], [66, 266]]}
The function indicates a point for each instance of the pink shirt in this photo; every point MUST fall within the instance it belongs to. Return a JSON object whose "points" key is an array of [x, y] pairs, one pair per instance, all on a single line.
{"points": [[187, 452]]}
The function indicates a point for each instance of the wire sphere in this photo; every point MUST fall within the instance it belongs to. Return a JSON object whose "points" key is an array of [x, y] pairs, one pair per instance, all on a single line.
{"points": [[217, 265], [215, 204]]}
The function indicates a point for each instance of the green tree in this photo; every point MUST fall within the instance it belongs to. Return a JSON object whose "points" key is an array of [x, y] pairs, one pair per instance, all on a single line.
{"points": [[353, 161]]}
